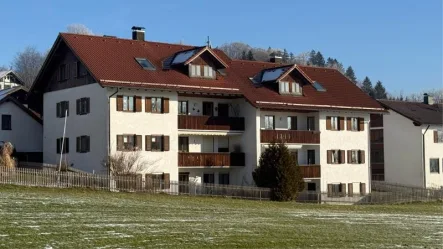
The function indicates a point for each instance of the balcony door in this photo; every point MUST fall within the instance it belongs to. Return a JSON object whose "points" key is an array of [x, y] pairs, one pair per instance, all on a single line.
{"points": [[183, 178], [311, 157], [311, 123], [223, 110], [208, 108], [183, 144]]}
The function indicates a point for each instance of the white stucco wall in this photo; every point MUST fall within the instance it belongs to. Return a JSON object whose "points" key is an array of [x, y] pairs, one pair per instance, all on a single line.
{"points": [[344, 140], [433, 150], [143, 123], [402, 150], [26, 134], [94, 124]]}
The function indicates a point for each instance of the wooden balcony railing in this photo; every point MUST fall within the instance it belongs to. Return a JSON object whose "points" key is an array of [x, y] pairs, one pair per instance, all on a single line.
{"points": [[290, 136], [211, 123], [310, 171], [211, 159]]}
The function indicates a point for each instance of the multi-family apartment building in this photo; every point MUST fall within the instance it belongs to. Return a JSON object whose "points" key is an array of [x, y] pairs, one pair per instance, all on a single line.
{"points": [[407, 143], [196, 115]]}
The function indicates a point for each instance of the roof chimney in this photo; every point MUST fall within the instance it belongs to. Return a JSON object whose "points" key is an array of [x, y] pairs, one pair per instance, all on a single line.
{"points": [[138, 33], [428, 99], [276, 59]]}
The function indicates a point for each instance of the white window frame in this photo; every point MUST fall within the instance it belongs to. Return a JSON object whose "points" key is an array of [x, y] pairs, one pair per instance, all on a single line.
{"points": [[335, 159], [156, 105], [334, 123], [194, 71], [354, 124], [128, 103], [355, 156], [439, 136], [267, 122], [438, 165]]}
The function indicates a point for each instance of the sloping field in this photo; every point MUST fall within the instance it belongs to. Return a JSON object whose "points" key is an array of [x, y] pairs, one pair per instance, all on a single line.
{"points": [[55, 218]]}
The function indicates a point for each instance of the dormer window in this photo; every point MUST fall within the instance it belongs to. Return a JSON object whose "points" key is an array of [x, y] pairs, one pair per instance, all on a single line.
{"points": [[208, 72], [296, 88], [284, 87], [195, 70]]}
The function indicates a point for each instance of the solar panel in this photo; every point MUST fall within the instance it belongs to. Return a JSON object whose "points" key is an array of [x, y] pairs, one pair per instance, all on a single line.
{"points": [[145, 64], [319, 87], [184, 56], [273, 74]]}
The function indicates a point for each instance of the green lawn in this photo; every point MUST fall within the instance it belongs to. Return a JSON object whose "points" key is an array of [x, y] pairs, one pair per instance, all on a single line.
{"points": [[54, 218]]}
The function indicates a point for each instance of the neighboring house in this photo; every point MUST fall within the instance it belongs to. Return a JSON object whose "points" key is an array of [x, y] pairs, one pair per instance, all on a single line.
{"points": [[196, 115], [9, 79], [407, 144], [20, 125]]}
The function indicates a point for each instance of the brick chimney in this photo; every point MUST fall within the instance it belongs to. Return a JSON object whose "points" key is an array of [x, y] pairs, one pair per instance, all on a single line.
{"points": [[138, 33], [428, 99], [276, 59]]}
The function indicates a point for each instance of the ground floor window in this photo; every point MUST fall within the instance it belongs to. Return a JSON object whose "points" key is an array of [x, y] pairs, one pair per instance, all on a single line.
{"points": [[312, 186], [223, 178], [208, 178], [434, 165]]}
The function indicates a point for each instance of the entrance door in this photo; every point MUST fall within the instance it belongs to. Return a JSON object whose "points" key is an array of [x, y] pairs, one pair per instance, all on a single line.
{"points": [[223, 110], [208, 108], [183, 178]]}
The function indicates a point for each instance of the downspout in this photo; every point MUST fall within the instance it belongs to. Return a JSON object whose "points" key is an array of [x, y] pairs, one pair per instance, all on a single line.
{"points": [[423, 157], [109, 124]]}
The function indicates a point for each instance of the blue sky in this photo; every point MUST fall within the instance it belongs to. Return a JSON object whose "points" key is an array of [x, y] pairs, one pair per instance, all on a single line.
{"points": [[398, 41]]}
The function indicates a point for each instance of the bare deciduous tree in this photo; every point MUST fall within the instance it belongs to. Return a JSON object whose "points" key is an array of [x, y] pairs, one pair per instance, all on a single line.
{"points": [[77, 28], [302, 58], [234, 49], [27, 64], [122, 163], [4, 68]]}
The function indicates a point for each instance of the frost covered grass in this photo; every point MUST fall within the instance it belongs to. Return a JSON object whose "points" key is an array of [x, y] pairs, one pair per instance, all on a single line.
{"points": [[64, 218]]}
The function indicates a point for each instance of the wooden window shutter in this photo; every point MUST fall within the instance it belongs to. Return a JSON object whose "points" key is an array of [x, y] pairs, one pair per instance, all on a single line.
{"points": [[166, 180], [349, 156], [329, 190], [342, 157], [119, 103], [341, 125], [361, 156], [362, 188], [165, 143], [148, 104], [165, 105], [79, 139], [343, 189], [348, 124], [435, 136], [361, 124], [119, 142], [78, 106], [138, 103], [148, 142], [329, 157], [59, 110], [350, 189], [328, 123], [138, 142]]}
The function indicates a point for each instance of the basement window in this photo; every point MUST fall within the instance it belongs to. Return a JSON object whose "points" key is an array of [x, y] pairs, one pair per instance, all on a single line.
{"points": [[145, 64]]}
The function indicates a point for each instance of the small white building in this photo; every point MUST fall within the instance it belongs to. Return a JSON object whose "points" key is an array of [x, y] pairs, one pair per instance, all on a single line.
{"points": [[20, 125], [9, 79], [196, 115], [413, 143]]}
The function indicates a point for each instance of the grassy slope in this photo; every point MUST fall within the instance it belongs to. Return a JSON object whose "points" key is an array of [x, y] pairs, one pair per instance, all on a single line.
{"points": [[39, 218]]}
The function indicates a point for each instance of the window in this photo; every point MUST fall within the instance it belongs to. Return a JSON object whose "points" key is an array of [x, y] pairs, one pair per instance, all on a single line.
{"points": [[311, 123], [311, 157], [319, 87], [63, 72], [195, 70], [334, 156], [292, 123], [296, 88], [183, 144], [208, 72], [6, 122], [312, 186], [83, 144], [62, 109], [145, 63], [354, 124], [336, 189], [438, 136], [434, 165], [284, 87], [183, 107], [208, 178], [156, 105], [208, 108], [354, 157], [269, 123], [65, 143], [156, 143], [82, 106], [128, 103], [128, 142], [334, 123], [223, 178]]}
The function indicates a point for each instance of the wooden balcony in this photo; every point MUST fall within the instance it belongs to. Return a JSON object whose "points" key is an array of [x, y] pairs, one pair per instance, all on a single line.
{"points": [[290, 136], [188, 122], [310, 171], [211, 159]]}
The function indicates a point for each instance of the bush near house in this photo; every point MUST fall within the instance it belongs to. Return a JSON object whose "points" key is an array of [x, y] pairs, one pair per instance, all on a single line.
{"points": [[278, 170]]}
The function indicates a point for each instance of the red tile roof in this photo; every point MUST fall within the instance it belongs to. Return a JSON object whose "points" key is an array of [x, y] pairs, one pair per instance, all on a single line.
{"points": [[112, 62]]}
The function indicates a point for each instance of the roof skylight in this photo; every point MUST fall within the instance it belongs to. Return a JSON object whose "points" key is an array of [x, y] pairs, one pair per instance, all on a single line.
{"points": [[145, 64], [273, 74], [319, 87], [183, 56]]}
